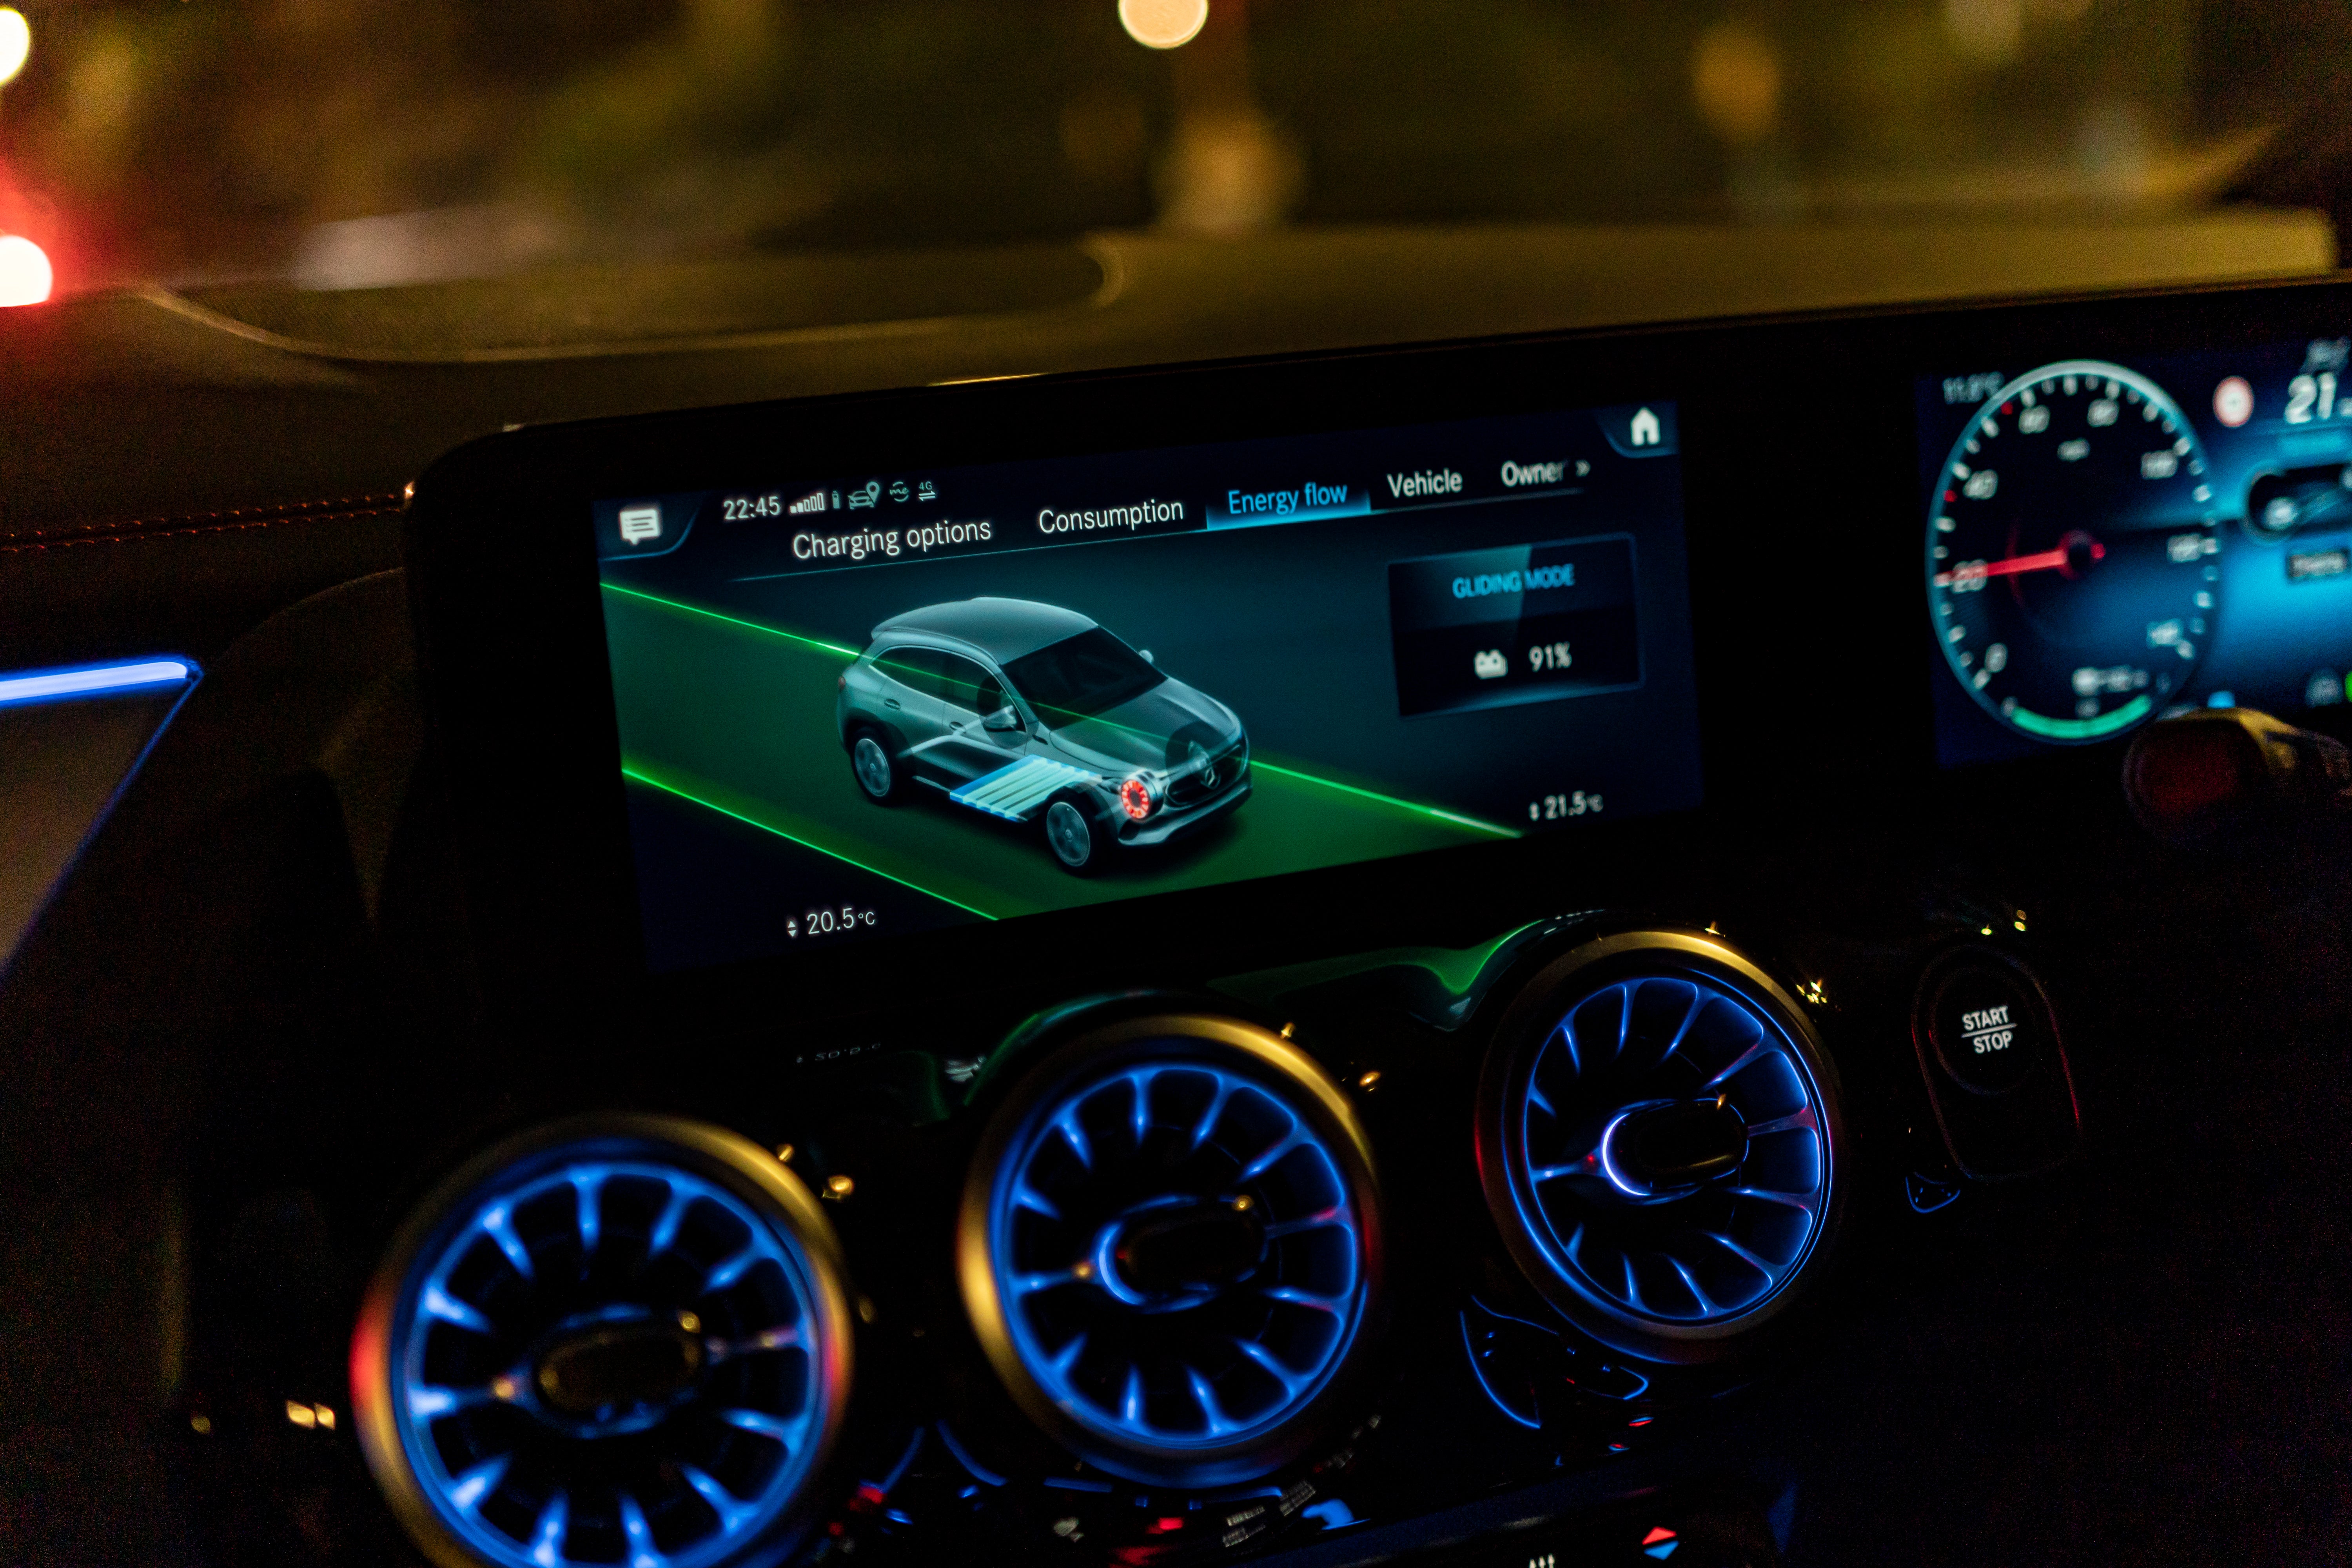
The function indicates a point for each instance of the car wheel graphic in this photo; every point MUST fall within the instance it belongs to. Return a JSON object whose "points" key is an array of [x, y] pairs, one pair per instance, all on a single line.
{"points": [[1071, 835], [869, 760]]}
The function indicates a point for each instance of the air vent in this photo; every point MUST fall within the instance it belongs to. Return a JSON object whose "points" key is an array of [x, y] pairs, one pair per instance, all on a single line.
{"points": [[617, 1340], [1658, 1139], [1170, 1245]]}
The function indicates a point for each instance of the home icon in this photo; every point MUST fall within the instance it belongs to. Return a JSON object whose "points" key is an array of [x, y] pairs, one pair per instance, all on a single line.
{"points": [[1644, 432]]}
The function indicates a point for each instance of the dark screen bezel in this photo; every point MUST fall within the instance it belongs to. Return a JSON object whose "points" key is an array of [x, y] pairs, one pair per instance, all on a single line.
{"points": [[1801, 492]]}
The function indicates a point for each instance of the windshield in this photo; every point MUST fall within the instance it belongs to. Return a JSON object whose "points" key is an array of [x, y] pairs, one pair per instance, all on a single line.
{"points": [[338, 144], [1080, 677]]}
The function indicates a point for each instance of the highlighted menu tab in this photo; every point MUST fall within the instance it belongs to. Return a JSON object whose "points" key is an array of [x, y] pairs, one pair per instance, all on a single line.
{"points": [[1307, 500]]}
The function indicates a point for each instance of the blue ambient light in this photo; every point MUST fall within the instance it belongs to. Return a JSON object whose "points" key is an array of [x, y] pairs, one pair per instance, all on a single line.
{"points": [[1700, 1246], [1926, 1195], [93, 681], [1180, 1256], [978, 1471], [608, 1359], [1485, 1385]]}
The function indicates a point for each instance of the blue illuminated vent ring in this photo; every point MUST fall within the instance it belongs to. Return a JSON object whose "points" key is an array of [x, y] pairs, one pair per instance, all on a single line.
{"points": [[1169, 1247], [1648, 1040], [624, 1340]]}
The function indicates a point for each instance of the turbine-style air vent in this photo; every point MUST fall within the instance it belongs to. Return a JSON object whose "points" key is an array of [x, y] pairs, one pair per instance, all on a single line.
{"points": [[621, 1340], [1658, 1138], [1169, 1246]]}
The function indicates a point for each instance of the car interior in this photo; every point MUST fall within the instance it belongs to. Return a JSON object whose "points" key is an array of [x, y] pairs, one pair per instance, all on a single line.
{"points": [[1155, 782]]}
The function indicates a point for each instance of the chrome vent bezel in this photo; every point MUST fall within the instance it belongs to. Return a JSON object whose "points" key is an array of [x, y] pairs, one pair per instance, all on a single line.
{"points": [[1096, 1127], [598, 1218], [1691, 1275]]}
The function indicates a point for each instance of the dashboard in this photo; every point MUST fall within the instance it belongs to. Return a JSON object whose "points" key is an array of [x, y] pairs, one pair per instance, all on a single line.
{"points": [[1529, 951]]}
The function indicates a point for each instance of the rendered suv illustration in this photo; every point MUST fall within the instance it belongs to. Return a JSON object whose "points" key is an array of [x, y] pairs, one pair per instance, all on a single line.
{"points": [[1032, 714]]}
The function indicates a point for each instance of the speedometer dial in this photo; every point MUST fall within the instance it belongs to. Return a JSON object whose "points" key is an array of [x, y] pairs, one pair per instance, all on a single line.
{"points": [[2070, 553]]}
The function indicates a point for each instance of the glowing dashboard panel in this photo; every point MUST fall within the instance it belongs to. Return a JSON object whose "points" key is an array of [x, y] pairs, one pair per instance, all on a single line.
{"points": [[2108, 542], [859, 704]]}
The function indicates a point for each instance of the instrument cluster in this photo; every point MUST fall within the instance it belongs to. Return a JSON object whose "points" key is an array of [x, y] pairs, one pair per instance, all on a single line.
{"points": [[2107, 543]]}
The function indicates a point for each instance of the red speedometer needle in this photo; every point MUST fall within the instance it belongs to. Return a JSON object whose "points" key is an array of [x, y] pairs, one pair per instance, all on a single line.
{"points": [[2056, 559]]}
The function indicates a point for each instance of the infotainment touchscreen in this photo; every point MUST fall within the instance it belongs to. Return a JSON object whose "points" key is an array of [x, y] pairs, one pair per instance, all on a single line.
{"points": [[857, 704], [2108, 541]]}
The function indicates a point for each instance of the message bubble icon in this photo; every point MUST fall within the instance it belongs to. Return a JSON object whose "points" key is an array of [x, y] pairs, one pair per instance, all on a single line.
{"points": [[639, 523]]}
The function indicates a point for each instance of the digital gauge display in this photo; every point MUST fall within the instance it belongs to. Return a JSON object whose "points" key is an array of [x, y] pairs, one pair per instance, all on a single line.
{"points": [[2069, 551], [2108, 542]]}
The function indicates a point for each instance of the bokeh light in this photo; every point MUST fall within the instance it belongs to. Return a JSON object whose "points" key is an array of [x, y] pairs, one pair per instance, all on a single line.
{"points": [[15, 42], [148, 143], [1163, 24], [25, 275], [1736, 82], [1987, 31]]}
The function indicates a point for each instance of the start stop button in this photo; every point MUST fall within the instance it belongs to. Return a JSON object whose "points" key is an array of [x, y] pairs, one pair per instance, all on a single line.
{"points": [[1989, 1025], [1993, 1065]]}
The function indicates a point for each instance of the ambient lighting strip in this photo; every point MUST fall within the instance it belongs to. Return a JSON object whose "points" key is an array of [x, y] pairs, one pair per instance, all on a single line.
{"points": [[92, 680]]}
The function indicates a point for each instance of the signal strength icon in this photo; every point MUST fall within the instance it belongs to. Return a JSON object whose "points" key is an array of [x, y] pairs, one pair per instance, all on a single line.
{"points": [[812, 501]]}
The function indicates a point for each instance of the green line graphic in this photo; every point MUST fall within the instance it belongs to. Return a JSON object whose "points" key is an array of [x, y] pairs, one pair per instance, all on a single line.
{"points": [[1440, 813], [2123, 718], [1454, 817], [629, 772], [732, 621]]}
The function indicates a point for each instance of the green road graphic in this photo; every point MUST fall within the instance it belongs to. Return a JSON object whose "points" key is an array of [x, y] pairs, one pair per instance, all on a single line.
{"points": [[739, 717], [673, 786]]}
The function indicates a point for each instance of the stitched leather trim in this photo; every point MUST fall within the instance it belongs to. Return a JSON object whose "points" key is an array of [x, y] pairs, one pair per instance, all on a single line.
{"points": [[16, 542]]}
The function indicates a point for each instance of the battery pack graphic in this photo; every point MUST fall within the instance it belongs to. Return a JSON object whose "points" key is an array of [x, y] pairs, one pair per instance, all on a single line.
{"points": [[1526, 623]]}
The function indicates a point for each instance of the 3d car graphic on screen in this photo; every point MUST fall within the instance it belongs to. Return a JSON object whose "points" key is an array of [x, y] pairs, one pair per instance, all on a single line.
{"points": [[1032, 714]]}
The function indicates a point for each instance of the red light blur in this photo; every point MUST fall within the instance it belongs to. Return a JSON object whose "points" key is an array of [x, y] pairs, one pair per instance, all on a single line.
{"points": [[1135, 798], [2184, 772]]}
